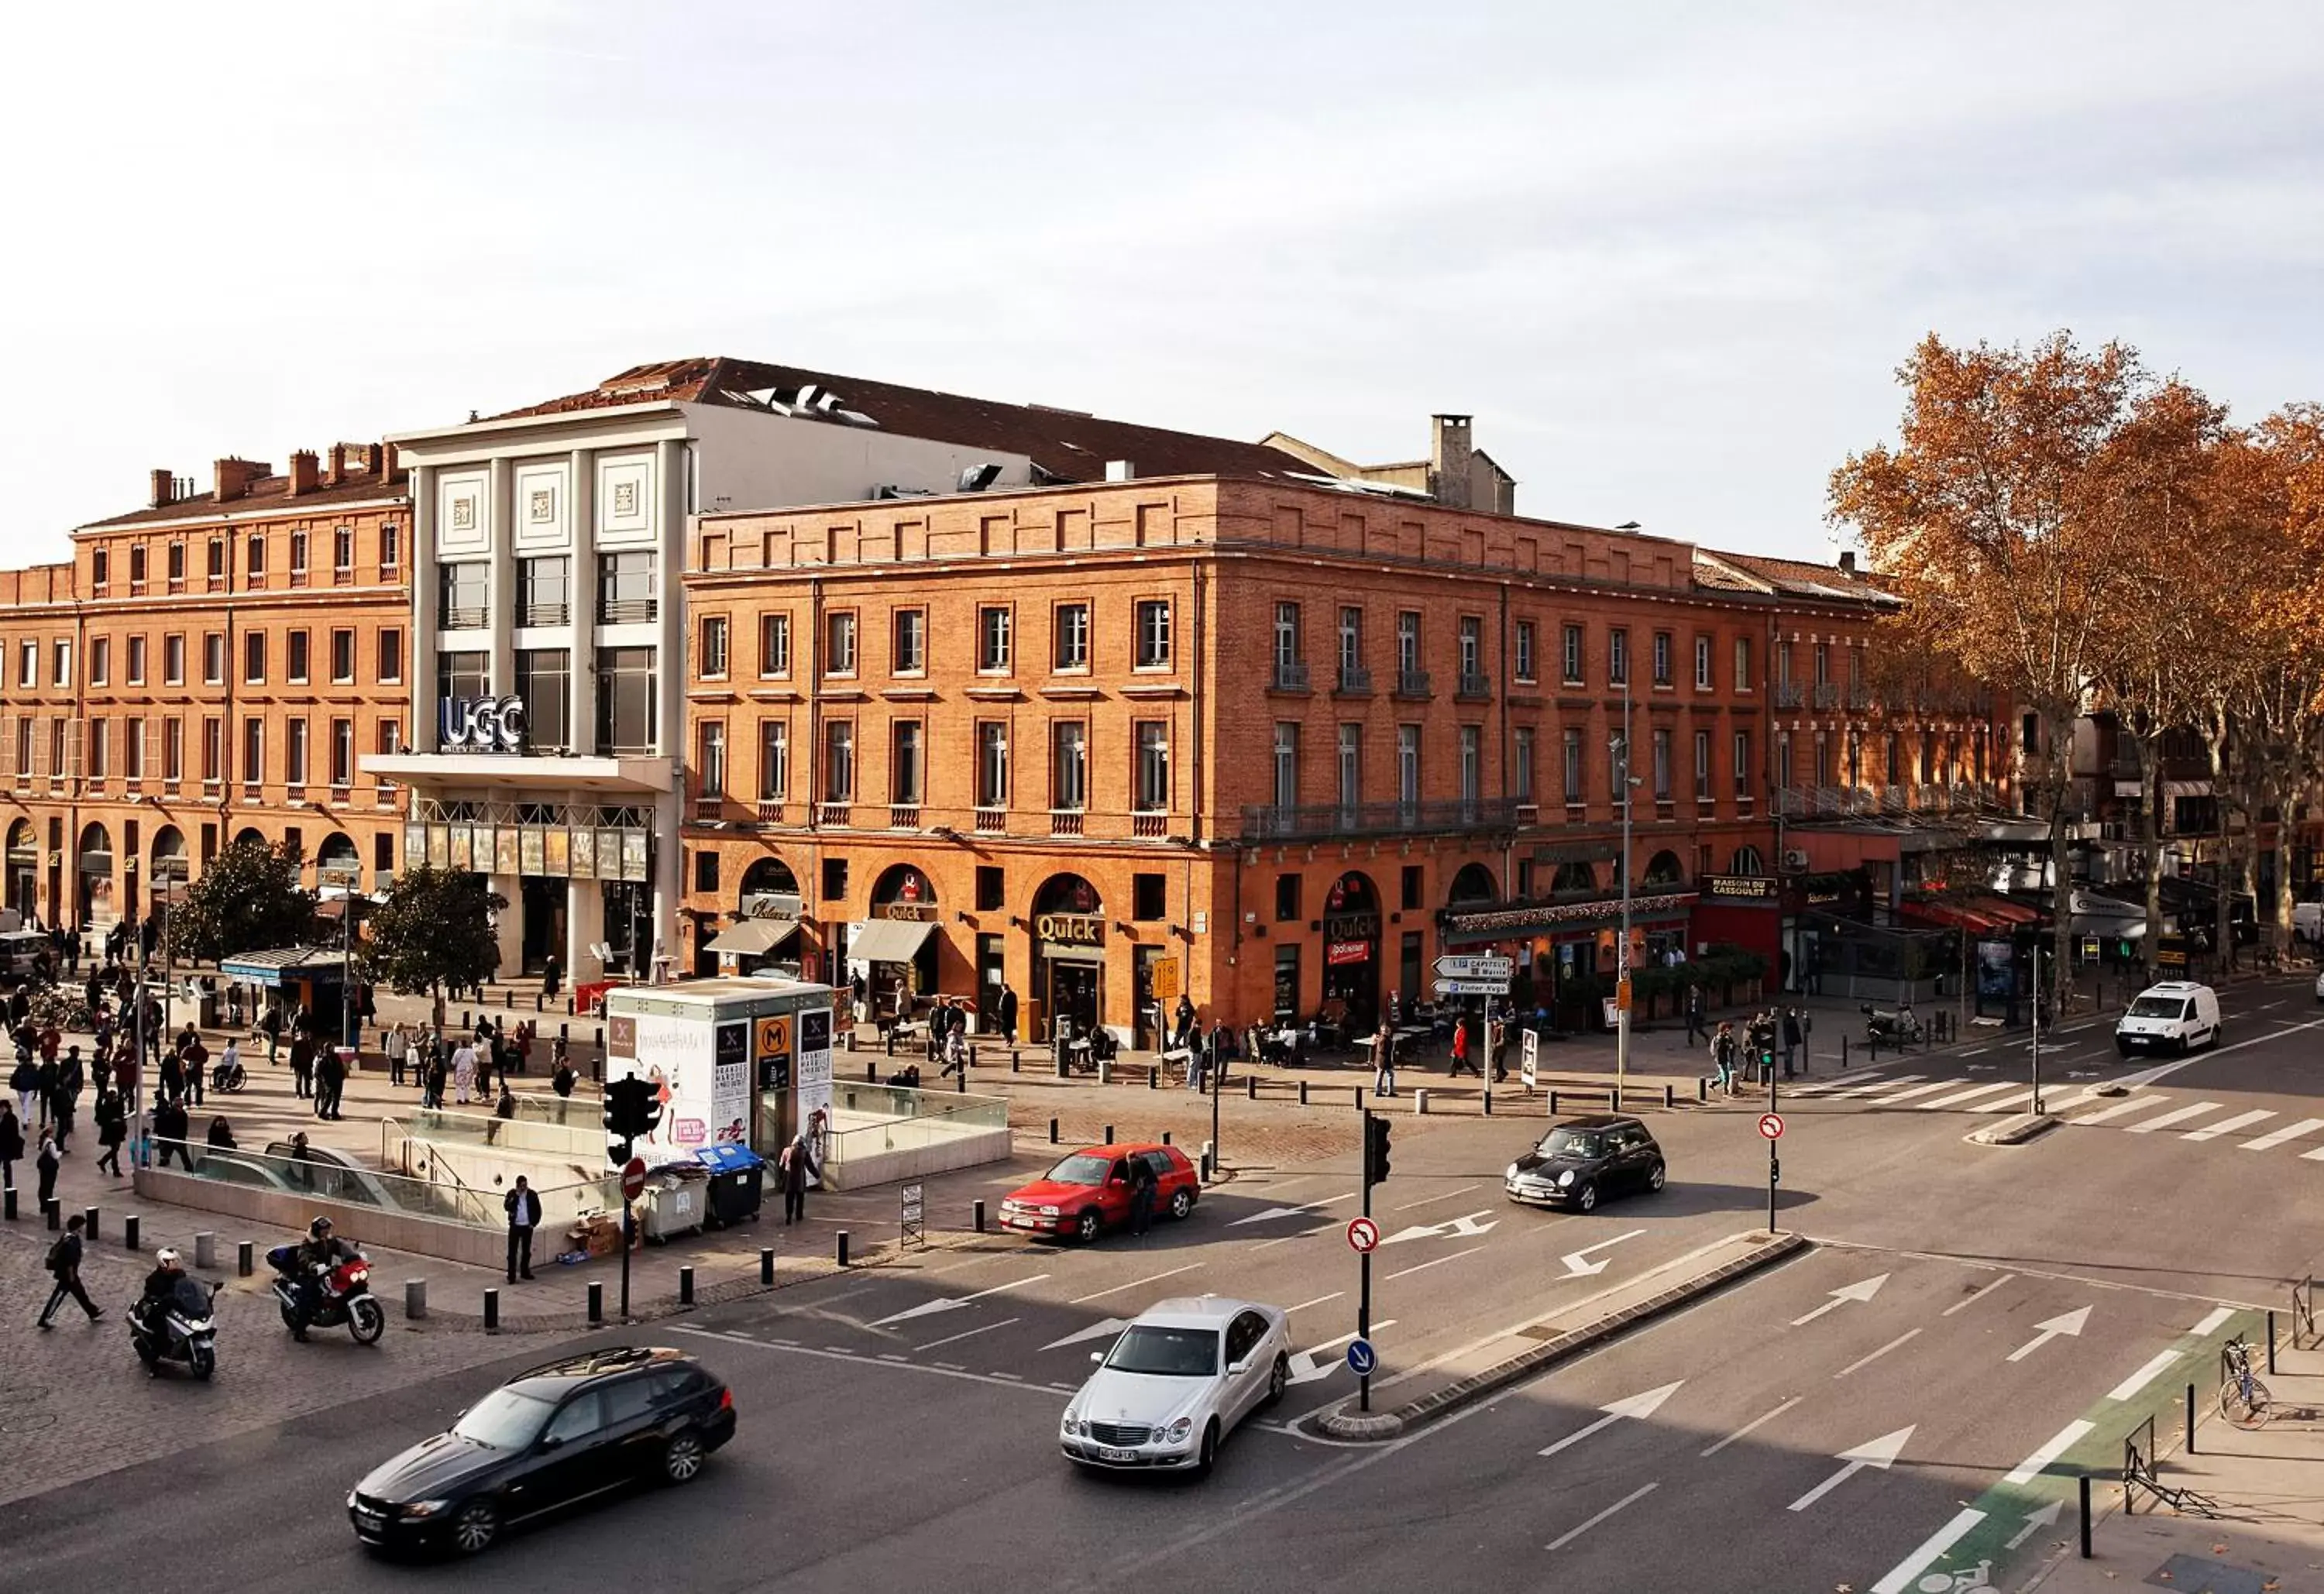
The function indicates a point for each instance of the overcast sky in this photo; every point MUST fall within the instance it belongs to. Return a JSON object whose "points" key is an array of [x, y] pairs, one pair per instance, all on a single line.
{"points": [[1668, 256]]}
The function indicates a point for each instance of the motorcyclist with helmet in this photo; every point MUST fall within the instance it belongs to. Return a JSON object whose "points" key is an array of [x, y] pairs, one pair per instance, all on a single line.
{"points": [[161, 1284], [319, 1253]]}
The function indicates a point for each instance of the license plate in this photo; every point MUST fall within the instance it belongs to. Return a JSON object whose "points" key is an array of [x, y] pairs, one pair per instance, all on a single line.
{"points": [[1116, 1455]]}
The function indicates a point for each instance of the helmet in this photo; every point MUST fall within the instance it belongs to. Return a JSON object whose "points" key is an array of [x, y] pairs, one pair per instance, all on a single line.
{"points": [[168, 1257], [319, 1228]]}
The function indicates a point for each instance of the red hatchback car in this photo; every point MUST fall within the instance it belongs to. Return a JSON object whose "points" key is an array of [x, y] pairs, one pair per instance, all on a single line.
{"points": [[1089, 1191]]}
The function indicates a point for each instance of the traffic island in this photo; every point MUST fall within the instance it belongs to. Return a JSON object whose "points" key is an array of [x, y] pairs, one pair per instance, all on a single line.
{"points": [[1500, 1362], [2012, 1131]]}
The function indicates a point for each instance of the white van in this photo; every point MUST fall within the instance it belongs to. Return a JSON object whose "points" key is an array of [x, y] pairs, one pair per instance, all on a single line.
{"points": [[18, 949], [2176, 1016]]}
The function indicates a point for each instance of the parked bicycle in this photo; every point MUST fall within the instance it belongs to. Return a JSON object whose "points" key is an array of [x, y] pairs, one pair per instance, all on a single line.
{"points": [[2243, 1399]]}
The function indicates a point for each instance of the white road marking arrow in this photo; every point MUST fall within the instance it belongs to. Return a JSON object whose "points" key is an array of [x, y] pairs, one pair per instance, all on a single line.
{"points": [[1881, 1453], [929, 1308], [2065, 1323], [2035, 1521], [1298, 1211], [1578, 1264], [1304, 1366], [1096, 1331], [1459, 1226], [1854, 1291], [1636, 1405]]}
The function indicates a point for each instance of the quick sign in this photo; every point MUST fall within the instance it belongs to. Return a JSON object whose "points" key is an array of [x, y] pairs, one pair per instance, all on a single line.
{"points": [[482, 724], [1071, 929]]}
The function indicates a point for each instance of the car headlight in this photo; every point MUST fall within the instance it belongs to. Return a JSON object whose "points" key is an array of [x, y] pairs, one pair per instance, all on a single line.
{"points": [[1175, 1432], [1512, 1172], [1049, 1212], [1072, 1421], [1565, 1180], [425, 1507], [351, 1500]]}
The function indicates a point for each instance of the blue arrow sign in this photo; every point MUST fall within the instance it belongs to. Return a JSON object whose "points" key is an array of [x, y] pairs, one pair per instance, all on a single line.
{"points": [[1361, 1357]]}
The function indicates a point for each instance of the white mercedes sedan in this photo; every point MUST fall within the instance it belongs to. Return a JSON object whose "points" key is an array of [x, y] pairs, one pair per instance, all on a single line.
{"points": [[1175, 1383]]}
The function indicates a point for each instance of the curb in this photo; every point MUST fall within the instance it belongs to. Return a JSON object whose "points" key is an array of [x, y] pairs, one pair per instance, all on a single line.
{"points": [[1379, 1425], [2024, 1126]]}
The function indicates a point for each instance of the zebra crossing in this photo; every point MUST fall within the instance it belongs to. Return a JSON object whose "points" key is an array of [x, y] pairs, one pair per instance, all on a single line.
{"points": [[2198, 1120]]}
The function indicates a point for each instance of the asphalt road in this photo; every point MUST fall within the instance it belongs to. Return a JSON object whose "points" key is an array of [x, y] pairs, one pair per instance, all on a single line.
{"points": [[2006, 1314]]}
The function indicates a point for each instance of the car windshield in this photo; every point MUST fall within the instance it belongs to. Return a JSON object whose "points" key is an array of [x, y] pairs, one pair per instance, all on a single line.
{"points": [[502, 1420], [2158, 1007], [1082, 1168], [1581, 1143], [1170, 1353]]}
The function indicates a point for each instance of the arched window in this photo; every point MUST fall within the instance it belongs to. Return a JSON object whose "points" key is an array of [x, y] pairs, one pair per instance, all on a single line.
{"points": [[1747, 862], [1662, 868], [1574, 879], [1474, 883]]}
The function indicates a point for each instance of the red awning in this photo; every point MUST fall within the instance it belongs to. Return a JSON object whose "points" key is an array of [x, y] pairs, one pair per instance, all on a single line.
{"points": [[1951, 915]]}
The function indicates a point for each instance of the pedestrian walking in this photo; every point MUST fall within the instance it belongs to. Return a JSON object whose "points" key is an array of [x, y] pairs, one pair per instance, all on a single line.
{"points": [[464, 1072], [793, 1167], [45, 1162], [1461, 1050], [1199, 1056], [1695, 1030], [24, 1079], [523, 1208], [431, 1092], [1722, 1055], [552, 976], [271, 1025], [1791, 1039], [198, 1059], [330, 1081], [302, 1067], [1141, 1194], [112, 1129], [393, 1043], [169, 1134], [67, 1103], [45, 1087], [11, 1145], [562, 1079], [64, 1267], [1384, 1060]]}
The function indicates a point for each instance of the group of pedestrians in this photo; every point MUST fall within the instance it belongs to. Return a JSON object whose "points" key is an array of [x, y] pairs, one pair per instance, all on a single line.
{"points": [[1749, 1057]]}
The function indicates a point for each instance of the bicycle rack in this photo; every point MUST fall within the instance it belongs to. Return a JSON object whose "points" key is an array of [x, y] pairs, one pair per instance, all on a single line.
{"points": [[2138, 1473], [2303, 1314]]}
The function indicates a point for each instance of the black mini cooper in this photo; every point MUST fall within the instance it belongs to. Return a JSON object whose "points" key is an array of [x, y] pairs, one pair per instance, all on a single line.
{"points": [[1585, 1160]]}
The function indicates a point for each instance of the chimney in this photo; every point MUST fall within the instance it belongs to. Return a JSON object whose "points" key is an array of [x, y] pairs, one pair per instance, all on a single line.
{"points": [[335, 466], [302, 471], [235, 477], [1449, 449], [1847, 562], [1121, 470], [385, 462], [165, 488]]}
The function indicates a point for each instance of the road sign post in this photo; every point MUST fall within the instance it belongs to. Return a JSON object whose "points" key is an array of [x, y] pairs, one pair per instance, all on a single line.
{"points": [[1364, 1271], [1363, 1234], [1771, 1129], [634, 1184]]}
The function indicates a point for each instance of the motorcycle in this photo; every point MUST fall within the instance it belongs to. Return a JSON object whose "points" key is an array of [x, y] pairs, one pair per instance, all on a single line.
{"points": [[182, 1328], [1896, 1025], [227, 1077], [342, 1295]]}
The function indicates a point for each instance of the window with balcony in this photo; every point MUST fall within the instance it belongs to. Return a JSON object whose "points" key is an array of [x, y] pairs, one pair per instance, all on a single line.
{"points": [[1472, 766], [995, 639], [1743, 763], [214, 560], [1150, 781], [545, 590], [1521, 775], [295, 660], [1073, 637], [294, 751], [911, 641], [712, 651], [1069, 765], [100, 662], [1286, 763], [97, 764], [1662, 776], [1662, 658], [774, 645], [774, 761], [391, 545], [839, 761], [1290, 649], [1152, 621], [1576, 773], [1782, 760], [1823, 664], [177, 565], [1618, 656], [342, 753], [1351, 765], [1474, 682], [629, 703], [253, 560], [1407, 765], [173, 749], [100, 568], [253, 657], [133, 749], [839, 642], [628, 588], [213, 751], [1573, 660], [137, 661], [710, 760], [391, 656], [991, 764], [1524, 662], [343, 657], [254, 752], [462, 600], [297, 556], [343, 549], [462, 672], [544, 679], [137, 566], [1352, 674], [908, 764]]}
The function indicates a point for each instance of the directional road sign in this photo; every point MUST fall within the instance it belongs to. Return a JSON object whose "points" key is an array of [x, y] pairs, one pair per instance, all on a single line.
{"points": [[1361, 1357], [1474, 966], [634, 1179], [1771, 1126], [1363, 1234], [1472, 988]]}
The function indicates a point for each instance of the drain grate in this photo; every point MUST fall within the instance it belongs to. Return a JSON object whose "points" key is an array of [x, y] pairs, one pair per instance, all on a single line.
{"points": [[2193, 1575]]}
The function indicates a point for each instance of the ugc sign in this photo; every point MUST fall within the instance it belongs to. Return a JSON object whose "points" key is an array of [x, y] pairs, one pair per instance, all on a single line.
{"points": [[482, 724]]}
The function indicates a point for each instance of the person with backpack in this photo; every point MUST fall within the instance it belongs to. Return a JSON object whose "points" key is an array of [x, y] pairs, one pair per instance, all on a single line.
{"points": [[46, 1162], [1722, 1054], [64, 1265]]}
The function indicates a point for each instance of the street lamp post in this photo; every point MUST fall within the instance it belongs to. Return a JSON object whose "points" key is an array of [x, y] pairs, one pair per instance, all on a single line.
{"points": [[1628, 785]]}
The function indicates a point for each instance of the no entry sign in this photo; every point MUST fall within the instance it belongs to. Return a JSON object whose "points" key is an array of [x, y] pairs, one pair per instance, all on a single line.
{"points": [[1771, 1125], [1363, 1234]]}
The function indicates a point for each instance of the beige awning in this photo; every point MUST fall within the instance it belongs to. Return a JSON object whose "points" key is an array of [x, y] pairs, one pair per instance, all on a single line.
{"points": [[890, 940], [755, 938]]}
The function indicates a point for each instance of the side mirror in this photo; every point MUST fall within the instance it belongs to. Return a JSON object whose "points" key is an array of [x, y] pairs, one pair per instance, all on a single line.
{"points": [[551, 1443], [1235, 1370], [1098, 1356]]}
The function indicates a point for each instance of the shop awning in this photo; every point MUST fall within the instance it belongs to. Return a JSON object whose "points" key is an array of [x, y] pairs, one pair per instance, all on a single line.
{"points": [[1953, 915], [755, 938], [890, 940]]}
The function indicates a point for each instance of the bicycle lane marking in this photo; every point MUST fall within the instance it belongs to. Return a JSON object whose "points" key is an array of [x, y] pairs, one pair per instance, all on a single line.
{"points": [[2004, 1528]]}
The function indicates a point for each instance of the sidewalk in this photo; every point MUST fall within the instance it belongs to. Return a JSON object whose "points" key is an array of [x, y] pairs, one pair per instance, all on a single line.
{"points": [[2267, 1485]]}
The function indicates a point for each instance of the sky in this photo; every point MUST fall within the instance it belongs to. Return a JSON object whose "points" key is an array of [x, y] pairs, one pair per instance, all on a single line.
{"points": [[1669, 256]]}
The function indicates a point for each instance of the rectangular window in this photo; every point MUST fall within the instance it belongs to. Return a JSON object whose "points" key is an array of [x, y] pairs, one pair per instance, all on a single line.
{"points": [[1572, 656], [911, 641], [60, 663], [1703, 664], [839, 761], [1662, 658], [295, 662], [100, 568], [1472, 646], [1702, 766], [61, 752], [628, 588], [254, 752], [1576, 791], [1286, 764], [1069, 765], [98, 751], [1407, 765], [173, 661], [133, 749], [710, 758], [28, 665], [1618, 656], [1407, 642], [1153, 624], [1524, 659], [839, 642], [298, 553], [907, 775], [213, 750], [137, 661], [991, 890], [991, 764], [214, 659], [1287, 897], [1072, 633], [774, 761], [774, 645], [343, 752], [1149, 898], [1782, 657], [1351, 765], [343, 657], [1742, 763], [176, 561], [100, 662], [391, 656], [173, 749], [629, 705], [1521, 755], [995, 628], [1823, 664], [545, 591], [1742, 664], [1288, 650], [1661, 766], [463, 603], [391, 545], [214, 560], [253, 559], [834, 880], [137, 566], [1151, 784], [462, 673], [294, 751], [343, 549], [713, 646], [544, 679], [24, 747], [1472, 764], [253, 656], [1352, 639], [1782, 760]]}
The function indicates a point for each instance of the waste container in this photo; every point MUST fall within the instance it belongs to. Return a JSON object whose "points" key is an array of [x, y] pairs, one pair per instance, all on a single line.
{"points": [[737, 1183], [676, 1202]]}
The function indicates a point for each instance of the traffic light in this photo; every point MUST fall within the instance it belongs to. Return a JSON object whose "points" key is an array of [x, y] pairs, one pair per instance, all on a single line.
{"points": [[1376, 1130], [631, 1110]]}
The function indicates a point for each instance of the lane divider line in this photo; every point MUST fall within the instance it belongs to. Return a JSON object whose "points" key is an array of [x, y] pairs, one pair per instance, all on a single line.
{"points": [[1754, 1423], [1632, 1499], [1439, 1262], [2059, 1443], [968, 1334], [2144, 1375], [1906, 1336], [1900, 1578], [1968, 1301], [1133, 1284]]}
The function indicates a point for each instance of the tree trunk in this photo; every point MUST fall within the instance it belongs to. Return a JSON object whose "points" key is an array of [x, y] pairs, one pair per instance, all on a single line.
{"points": [[2215, 742], [2151, 844]]}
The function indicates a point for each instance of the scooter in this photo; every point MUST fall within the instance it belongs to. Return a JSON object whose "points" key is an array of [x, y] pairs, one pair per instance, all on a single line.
{"points": [[182, 1329], [342, 1295], [1896, 1025]]}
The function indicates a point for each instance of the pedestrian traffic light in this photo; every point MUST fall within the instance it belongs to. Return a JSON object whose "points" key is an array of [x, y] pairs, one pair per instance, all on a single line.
{"points": [[631, 1110], [1376, 1130]]}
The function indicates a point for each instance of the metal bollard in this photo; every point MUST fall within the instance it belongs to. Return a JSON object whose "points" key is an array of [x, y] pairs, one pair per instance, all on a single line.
{"points": [[129, 1237], [977, 1211], [870, 1073], [1843, 1051], [1553, 1102], [685, 1286], [8, 1203], [1105, 1071], [492, 1312], [1359, 1098], [1165, 1137], [842, 1247], [1420, 1104], [2190, 1419], [767, 1263], [1303, 1093], [971, 1062], [596, 1302], [2086, 1516], [1489, 1101], [851, 1040], [1053, 1131], [467, 1019], [1703, 1088], [1250, 1087], [55, 1210], [508, 999], [205, 1250], [1015, 1063], [245, 1259], [1670, 1095], [88, 1224], [415, 1297], [1154, 1076], [1109, 1134], [2271, 1341]]}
